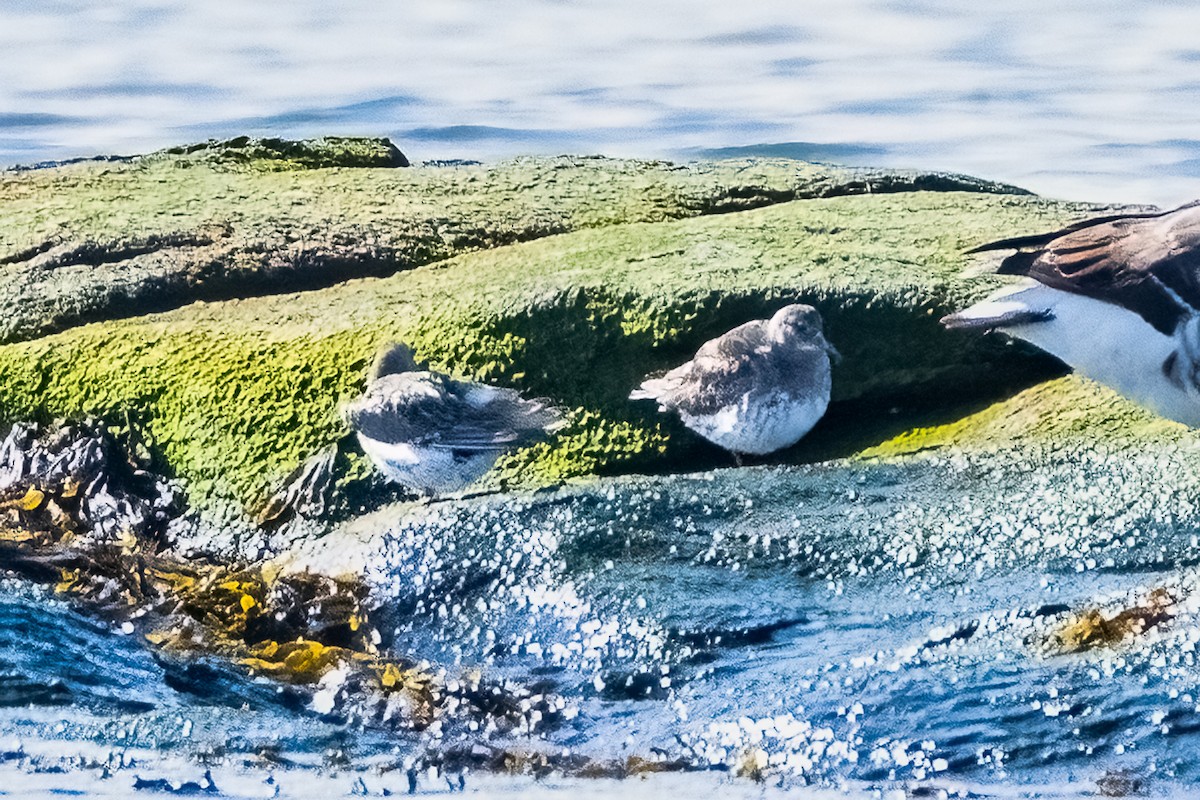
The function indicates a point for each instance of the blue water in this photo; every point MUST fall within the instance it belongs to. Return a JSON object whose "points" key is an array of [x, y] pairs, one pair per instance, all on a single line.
{"points": [[862, 624], [856, 627], [1089, 100], [87, 709]]}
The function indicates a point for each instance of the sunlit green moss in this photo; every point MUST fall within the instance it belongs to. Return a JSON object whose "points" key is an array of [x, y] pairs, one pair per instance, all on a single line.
{"points": [[1058, 411], [236, 393], [246, 217]]}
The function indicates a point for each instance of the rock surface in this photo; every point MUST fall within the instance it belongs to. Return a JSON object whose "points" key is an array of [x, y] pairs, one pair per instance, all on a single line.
{"points": [[570, 278], [77, 479], [219, 220]]}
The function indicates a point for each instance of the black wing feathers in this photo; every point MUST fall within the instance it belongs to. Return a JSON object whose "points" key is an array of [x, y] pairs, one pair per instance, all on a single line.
{"points": [[1039, 239], [433, 411], [1148, 263]]}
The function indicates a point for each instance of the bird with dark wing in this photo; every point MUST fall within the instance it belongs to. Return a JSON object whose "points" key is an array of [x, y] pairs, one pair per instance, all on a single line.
{"points": [[436, 434], [1117, 298], [755, 389]]}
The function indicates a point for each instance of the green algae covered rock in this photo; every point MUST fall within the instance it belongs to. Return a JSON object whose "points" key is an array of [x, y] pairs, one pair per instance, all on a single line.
{"points": [[101, 240], [1068, 411], [274, 288], [272, 153]]}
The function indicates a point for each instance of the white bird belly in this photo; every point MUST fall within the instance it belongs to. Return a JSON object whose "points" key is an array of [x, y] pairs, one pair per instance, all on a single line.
{"points": [[428, 469], [1108, 344], [760, 426]]}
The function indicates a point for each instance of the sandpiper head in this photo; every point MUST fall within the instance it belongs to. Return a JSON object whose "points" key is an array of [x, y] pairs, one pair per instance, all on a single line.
{"points": [[796, 321], [393, 358], [800, 323]]}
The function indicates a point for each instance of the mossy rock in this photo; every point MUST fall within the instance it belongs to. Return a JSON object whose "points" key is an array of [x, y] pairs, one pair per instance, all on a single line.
{"points": [[249, 217], [275, 153], [237, 393], [1068, 411]]}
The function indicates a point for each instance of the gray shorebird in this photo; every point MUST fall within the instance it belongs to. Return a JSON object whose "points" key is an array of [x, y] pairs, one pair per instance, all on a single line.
{"points": [[756, 389], [435, 434], [1117, 298]]}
